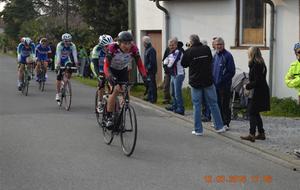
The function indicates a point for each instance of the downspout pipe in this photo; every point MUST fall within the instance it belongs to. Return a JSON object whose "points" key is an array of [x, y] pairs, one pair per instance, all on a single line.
{"points": [[272, 39], [167, 19]]}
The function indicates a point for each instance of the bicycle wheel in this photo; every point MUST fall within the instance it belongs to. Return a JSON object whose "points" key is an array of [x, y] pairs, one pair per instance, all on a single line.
{"points": [[67, 95], [128, 131], [107, 134], [42, 80], [25, 84], [98, 115]]}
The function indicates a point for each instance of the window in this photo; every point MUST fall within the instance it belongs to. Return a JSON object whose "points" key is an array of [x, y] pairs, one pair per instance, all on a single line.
{"points": [[251, 21]]}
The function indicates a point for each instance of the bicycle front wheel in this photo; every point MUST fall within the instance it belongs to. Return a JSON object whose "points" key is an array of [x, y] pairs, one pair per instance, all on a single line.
{"points": [[25, 85], [128, 132], [67, 96]]}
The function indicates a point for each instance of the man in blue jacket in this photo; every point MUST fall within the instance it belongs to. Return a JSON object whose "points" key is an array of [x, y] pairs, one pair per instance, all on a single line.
{"points": [[150, 62], [223, 72]]}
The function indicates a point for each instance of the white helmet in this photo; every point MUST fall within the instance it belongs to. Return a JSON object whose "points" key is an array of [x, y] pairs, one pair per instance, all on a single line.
{"points": [[105, 40], [27, 41], [66, 36]]}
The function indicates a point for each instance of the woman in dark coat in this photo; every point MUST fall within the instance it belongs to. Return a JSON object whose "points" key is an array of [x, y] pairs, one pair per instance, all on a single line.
{"points": [[259, 98]]}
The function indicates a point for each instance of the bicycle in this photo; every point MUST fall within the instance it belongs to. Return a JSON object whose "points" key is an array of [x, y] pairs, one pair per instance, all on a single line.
{"points": [[125, 122], [65, 89], [27, 75], [41, 76]]}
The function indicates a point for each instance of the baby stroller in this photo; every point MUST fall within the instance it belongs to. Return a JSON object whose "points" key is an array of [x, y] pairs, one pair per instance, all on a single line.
{"points": [[239, 100]]}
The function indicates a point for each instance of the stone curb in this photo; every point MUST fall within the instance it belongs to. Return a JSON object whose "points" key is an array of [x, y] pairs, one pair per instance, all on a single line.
{"points": [[287, 161]]}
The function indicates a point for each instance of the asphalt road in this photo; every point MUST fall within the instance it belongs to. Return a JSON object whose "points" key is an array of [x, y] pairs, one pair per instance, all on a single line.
{"points": [[43, 147]]}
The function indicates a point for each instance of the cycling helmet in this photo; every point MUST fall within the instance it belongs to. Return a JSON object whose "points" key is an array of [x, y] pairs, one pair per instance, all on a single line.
{"points": [[296, 46], [125, 36], [105, 40], [66, 36], [27, 41], [43, 40], [22, 40]]}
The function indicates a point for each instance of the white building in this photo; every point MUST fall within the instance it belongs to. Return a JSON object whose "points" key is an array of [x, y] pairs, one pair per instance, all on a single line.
{"points": [[241, 23]]}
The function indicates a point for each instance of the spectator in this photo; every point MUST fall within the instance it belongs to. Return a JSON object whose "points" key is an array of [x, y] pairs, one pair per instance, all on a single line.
{"points": [[292, 79], [199, 60], [223, 72], [167, 77], [259, 95], [151, 66], [214, 47], [52, 56], [176, 71], [83, 59]]}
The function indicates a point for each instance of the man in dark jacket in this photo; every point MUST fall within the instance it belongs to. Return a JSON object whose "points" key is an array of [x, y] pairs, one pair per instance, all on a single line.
{"points": [[151, 66], [223, 72], [199, 60]]}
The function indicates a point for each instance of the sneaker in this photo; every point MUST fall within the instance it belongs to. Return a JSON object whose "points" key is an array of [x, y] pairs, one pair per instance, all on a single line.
{"points": [[222, 130], [226, 127], [100, 108], [169, 108], [197, 134], [109, 123], [57, 97]]}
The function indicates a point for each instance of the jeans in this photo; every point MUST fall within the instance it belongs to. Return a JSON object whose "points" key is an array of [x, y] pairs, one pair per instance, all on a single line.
{"points": [[210, 95], [177, 103], [152, 88], [206, 111]]}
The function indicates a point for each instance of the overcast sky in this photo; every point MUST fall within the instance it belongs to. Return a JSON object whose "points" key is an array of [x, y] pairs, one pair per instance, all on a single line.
{"points": [[1, 6]]}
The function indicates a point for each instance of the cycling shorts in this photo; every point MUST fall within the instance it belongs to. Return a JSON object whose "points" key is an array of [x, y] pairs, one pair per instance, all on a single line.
{"points": [[120, 75]]}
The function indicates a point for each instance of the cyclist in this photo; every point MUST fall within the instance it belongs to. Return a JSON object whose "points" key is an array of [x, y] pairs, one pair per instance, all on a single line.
{"points": [[25, 53], [41, 51], [116, 64], [97, 64], [64, 51]]}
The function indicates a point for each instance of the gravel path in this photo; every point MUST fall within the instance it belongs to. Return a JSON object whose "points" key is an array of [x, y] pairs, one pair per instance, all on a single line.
{"points": [[283, 134]]}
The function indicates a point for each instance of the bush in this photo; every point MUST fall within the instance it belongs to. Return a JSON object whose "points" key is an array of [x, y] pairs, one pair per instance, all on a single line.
{"points": [[286, 107]]}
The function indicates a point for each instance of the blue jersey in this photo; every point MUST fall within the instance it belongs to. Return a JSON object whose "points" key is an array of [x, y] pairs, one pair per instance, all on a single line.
{"points": [[64, 53], [42, 52], [24, 52]]}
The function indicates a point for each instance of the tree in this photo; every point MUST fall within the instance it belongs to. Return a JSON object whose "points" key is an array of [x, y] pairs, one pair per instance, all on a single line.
{"points": [[104, 16], [15, 13]]}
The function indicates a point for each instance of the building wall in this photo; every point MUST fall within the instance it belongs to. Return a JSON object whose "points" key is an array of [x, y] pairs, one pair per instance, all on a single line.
{"points": [[148, 17], [209, 18]]}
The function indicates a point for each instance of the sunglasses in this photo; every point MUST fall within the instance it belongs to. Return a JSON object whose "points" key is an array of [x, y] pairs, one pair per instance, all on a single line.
{"points": [[298, 52]]}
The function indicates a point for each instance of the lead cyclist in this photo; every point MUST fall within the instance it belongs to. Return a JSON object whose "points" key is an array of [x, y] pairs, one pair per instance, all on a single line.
{"points": [[116, 63], [64, 50]]}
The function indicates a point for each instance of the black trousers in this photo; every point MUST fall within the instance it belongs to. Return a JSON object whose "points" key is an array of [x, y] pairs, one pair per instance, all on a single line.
{"points": [[224, 104], [152, 89], [167, 80], [256, 122]]}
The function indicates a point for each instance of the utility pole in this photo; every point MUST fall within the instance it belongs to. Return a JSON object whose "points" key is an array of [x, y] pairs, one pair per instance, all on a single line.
{"points": [[131, 17], [67, 15]]}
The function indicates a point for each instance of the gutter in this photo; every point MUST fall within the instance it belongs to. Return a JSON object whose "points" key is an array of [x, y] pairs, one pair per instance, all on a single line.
{"points": [[272, 39], [167, 19]]}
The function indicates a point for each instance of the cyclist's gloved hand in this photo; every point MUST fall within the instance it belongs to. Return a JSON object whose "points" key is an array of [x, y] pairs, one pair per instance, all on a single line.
{"points": [[146, 80], [112, 80], [101, 77]]}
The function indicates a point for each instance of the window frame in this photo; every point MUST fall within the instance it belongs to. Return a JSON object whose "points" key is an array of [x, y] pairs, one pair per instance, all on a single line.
{"points": [[239, 29]]}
